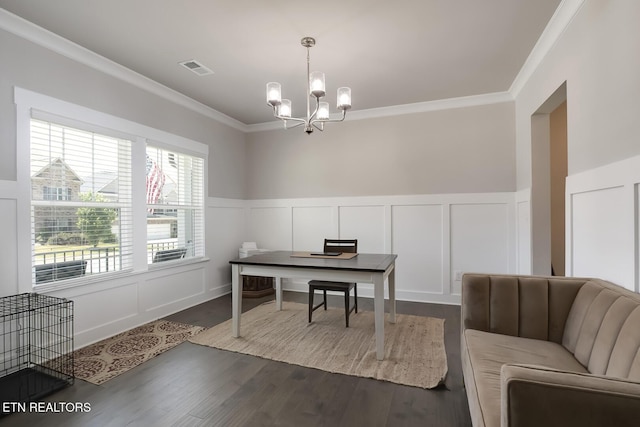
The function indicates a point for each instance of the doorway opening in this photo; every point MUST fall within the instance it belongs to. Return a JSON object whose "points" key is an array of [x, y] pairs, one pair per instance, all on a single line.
{"points": [[549, 158]]}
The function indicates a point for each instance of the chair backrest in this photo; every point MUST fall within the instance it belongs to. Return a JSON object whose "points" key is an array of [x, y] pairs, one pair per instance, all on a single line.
{"points": [[336, 245]]}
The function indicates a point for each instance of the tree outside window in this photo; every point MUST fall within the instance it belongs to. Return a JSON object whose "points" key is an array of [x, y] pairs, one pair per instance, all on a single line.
{"points": [[95, 222]]}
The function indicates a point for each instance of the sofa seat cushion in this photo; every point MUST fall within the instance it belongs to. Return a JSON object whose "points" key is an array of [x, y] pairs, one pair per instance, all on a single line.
{"points": [[487, 352]]}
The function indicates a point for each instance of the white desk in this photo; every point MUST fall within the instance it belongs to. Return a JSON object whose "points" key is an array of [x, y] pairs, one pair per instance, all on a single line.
{"points": [[364, 268]]}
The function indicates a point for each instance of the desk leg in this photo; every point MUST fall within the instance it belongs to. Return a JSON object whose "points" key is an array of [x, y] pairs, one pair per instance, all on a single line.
{"points": [[236, 299], [378, 312], [392, 295], [278, 293]]}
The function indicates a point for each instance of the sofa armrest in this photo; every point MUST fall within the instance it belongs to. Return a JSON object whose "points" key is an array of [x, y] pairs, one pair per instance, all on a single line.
{"points": [[539, 396]]}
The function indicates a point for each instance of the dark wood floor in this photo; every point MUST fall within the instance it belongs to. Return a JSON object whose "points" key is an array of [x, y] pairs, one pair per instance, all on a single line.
{"points": [[192, 385]]}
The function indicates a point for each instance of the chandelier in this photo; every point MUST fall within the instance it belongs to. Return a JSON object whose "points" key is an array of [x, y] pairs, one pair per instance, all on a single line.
{"points": [[316, 89]]}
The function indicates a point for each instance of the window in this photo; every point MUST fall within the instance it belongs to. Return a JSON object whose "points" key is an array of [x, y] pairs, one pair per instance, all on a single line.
{"points": [[175, 205], [59, 193], [81, 202]]}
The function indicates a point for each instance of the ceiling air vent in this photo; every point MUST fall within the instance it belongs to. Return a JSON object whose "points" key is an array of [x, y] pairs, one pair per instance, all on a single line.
{"points": [[196, 67]]}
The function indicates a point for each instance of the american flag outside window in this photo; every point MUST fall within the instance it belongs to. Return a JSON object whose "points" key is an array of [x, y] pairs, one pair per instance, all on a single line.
{"points": [[155, 182]]}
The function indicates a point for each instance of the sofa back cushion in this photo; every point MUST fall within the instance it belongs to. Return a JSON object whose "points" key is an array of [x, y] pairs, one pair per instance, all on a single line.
{"points": [[526, 306], [602, 330]]}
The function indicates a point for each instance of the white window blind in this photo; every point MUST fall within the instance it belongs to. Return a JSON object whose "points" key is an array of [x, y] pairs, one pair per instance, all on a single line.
{"points": [[175, 205], [81, 202]]}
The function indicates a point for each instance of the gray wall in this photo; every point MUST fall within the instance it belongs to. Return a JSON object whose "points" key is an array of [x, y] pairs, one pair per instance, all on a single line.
{"points": [[597, 57], [32, 67], [458, 150]]}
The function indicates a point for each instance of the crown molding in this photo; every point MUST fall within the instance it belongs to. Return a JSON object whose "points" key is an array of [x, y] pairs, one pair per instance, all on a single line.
{"points": [[40, 36], [45, 38], [440, 104], [553, 31], [557, 25], [399, 110]]}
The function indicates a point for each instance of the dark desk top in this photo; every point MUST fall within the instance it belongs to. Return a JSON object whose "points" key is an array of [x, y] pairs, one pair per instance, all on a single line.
{"points": [[362, 262]]}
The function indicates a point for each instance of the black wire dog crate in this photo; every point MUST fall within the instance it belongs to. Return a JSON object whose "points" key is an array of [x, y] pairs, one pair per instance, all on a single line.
{"points": [[36, 346]]}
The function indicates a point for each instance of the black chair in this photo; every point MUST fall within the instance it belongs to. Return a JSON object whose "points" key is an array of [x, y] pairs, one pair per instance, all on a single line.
{"points": [[333, 245]]}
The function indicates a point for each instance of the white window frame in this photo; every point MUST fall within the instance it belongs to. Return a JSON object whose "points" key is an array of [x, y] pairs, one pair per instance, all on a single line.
{"points": [[190, 200], [63, 112]]}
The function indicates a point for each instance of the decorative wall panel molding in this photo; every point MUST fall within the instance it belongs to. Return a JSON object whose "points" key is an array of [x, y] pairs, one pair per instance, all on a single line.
{"points": [[602, 223]]}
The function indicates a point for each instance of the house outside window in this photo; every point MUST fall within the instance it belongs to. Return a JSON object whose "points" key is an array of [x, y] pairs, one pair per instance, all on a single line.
{"points": [[80, 202]]}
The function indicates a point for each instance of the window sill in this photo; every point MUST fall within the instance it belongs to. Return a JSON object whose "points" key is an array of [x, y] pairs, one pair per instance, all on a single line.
{"points": [[177, 263]]}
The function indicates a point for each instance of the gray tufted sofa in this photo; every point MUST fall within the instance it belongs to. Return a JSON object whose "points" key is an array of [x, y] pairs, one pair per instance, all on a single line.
{"points": [[550, 351]]}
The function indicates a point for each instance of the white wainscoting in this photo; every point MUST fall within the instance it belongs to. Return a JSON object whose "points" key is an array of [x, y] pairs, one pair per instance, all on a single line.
{"points": [[417, 235], [434, 236], [480, 238], [104, 308], [602, 216], [523, 233], [8, 221], [226, 230]]}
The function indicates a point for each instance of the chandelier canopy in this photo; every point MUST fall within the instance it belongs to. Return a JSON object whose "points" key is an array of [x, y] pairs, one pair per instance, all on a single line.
{"points": [[316, 89]]}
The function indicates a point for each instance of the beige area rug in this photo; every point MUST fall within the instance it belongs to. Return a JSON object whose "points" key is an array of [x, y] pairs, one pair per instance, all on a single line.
{"points": [[106, 359], [414, 345]]}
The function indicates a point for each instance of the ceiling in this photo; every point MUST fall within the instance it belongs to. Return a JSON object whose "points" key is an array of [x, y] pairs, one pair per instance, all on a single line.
{"points": [[389, 52]]}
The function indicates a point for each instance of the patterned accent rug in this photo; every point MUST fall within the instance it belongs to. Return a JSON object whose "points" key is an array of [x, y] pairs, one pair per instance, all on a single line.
{"points": [[106, 359], [414, 345]]}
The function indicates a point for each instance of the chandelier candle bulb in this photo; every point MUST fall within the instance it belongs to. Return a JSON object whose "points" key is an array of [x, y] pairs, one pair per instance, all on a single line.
{"points": [[274, 93], [284, 109], [323, 111], [316, 84], [344, 98]]}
